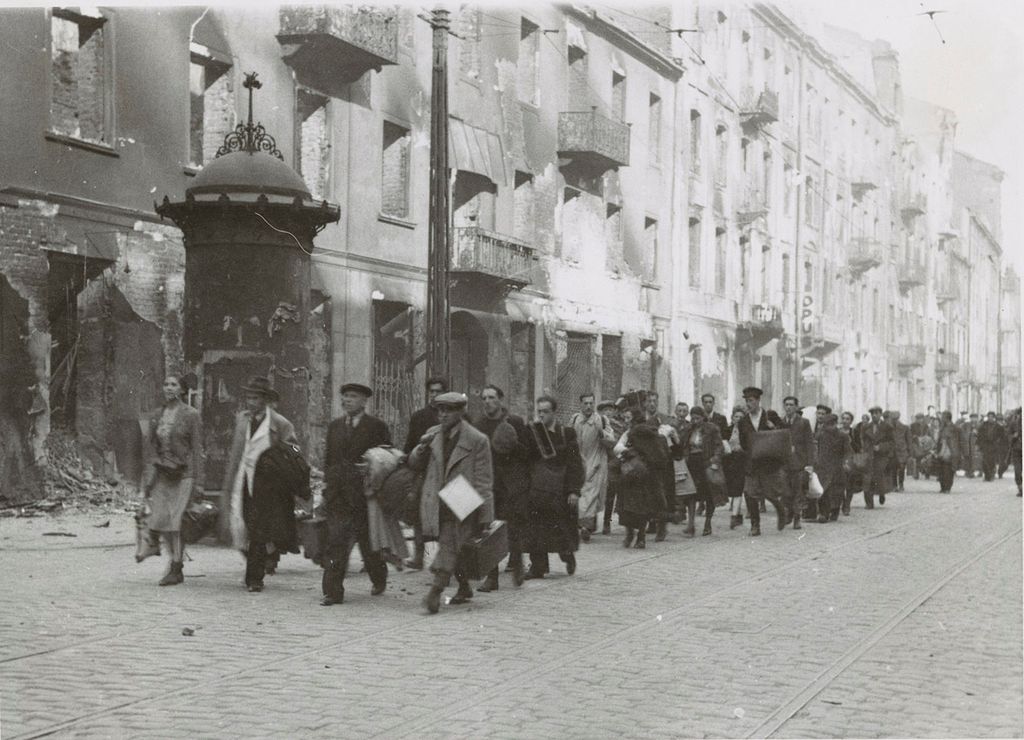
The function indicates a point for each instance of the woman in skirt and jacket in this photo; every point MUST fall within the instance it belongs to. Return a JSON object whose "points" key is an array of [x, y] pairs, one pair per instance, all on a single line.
{"points": [[735, 467], [173, 470], [854, 479], [703, 451], [647, 478]]}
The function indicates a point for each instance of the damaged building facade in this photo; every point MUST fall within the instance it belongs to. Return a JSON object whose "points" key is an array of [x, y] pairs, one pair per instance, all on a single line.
{"points": [[632, 208]]}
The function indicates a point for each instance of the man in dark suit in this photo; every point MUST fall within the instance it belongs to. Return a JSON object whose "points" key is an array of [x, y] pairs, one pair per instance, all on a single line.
{"points": [[419, 423], [991, 437], [901, 435], [878, 439], [348, 437], [708, 402], [834, 448], [764, 477], [801, 459]]}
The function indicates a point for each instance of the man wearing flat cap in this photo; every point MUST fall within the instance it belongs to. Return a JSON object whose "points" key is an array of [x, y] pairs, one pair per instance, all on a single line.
{"points": [[348, 437], [878, 439], [764, 477], [257, 429], [451, 449]]}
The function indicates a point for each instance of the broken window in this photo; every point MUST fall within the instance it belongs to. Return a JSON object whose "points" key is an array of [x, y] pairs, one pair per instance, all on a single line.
{"points": [[654, 129], [613, 235], [312, 146], [211, 104], [394, 196], [694, 140], [467, 26], [527, 68], [650, 256], [721, 255], [611, 366], [618, 96], [80, 88], [579, 95], [523, 203], [722, 151], [695, 251]]}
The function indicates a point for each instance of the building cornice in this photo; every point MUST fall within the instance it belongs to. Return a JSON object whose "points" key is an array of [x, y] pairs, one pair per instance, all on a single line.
{"points": [[625, 40], [785, 26]]}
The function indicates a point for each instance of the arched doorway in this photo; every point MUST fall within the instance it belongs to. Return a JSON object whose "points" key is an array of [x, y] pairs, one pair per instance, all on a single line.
{"points": [[468, 357]]}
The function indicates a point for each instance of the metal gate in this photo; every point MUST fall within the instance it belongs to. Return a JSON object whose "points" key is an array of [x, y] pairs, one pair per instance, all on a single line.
{"points": [[574, 370], [394, 397]]}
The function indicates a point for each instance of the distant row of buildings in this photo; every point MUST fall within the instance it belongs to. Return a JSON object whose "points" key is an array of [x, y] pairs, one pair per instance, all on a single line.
{"points": [[689, 198]]}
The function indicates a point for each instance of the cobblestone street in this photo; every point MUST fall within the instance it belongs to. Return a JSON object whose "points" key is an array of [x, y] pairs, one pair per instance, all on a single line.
{"points": [[901, 621]]}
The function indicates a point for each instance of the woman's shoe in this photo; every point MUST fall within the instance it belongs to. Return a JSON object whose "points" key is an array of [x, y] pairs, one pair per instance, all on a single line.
{"points": [[607, 529], [707, 529], [641, 540], [662, 532], [490, 584], [690, 529], [628, 541], [432, 601], [570, 563], [735, 520]]}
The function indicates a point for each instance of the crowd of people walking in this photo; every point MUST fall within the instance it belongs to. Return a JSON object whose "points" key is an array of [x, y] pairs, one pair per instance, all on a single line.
{"points": [[550, 483]]}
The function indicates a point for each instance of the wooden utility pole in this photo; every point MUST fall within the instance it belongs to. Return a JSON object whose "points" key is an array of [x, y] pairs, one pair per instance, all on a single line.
{"points": [[439, 241]]}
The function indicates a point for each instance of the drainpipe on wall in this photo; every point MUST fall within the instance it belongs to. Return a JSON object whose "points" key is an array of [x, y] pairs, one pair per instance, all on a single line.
{"points": [[799, 218]]}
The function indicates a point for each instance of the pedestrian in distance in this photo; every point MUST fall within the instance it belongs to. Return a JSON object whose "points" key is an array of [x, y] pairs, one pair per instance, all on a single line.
{"points": [[703, 451], [833, 454], [610, 411], [922, 443], [707, 401], [1013, 424], [556, 476], [1003, 448], [172, 475], [451, 449], [645, 490], [902, 437], [594, 434], [947, 452], [735, 466], [422, 420], [878, 440], [854, 479], [257, 429], [345, 506], [509, 440], [801, 460], [765, 479], [991, 439]]}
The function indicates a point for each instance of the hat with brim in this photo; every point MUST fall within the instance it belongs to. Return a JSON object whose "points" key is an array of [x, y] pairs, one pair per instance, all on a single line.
{"points": [[605, 405], [450, 400], [362, 390], [260, 384], [752, 392]]}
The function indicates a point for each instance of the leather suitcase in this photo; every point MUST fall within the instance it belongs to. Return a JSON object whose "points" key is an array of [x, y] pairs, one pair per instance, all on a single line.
{"points": [[771, 445], [480, 555], [313, 538]]}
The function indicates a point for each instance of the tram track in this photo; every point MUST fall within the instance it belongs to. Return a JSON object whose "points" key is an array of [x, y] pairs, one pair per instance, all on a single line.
{"points": [[404, 624]]}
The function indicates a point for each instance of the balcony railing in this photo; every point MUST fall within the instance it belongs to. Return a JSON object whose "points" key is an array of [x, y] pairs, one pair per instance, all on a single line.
{"points": [[594, 139], [947, 290], [823, 339], [910, 355], [913, 204], [947, 363], [753, 203], [864, 253], [338, 42], [764, 325], [494, 256], [911, 273], [762, 110], [862, 182]]}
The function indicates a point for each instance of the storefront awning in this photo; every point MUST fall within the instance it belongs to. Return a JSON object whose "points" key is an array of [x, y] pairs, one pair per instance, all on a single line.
{"points": [[475, 150]]}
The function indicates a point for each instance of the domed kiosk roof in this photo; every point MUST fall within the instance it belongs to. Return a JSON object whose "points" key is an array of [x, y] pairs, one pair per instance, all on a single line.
{"points": [[249, 172]]}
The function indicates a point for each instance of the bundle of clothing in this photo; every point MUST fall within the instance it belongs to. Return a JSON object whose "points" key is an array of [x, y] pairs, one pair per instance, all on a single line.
{"points": [[386, 537]]}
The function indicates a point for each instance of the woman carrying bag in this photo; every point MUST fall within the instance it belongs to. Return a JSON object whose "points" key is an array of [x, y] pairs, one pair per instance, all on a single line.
{"points": [[703, 450], [644, 487], [734, 465], [854, 474], [173, 471]]}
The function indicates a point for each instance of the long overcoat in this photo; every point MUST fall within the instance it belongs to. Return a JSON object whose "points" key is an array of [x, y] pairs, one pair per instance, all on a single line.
{"points": [[551, 524], [881, 436]]}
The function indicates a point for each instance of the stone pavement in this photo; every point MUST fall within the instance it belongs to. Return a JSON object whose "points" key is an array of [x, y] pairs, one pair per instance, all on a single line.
{"points": [[901, 621]]}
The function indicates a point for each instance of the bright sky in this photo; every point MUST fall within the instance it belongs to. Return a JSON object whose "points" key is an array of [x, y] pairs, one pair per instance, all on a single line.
{"points": [[978, 73]]}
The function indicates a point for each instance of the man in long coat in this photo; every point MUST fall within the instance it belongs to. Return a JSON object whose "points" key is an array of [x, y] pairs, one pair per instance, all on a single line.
{"points": [[556, 476], [348, 437], [879, 441], [764, 478], [257, 429], [991, 439], [509, 447], [947, 452], [594, 435], [422, 420], [801, 459], [452, 448], [834, 447], [901, 436]]}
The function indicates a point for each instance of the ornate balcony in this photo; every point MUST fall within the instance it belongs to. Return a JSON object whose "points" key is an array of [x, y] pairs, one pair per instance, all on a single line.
{"points": [[338, 43], [911, 273], [910, 355], [864, 253], [753, 205], [947, 290], [496, 260], [862, 182], [764, 325], [593, 139], [824, 338], [760, 111], [947, 363], [913, 205]]}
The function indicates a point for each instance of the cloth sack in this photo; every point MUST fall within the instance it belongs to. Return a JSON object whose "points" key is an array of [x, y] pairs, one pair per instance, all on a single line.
{"points": [[858, 462], [716, 479], [633, 466], [504, 439], [814, 487], [199, 520], [399, 495], [146, 542], [946, 453], [771, 445]]}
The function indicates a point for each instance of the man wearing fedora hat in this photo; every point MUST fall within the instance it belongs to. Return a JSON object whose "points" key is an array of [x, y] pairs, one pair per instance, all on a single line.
{"points": [[348, 438], [257, 429]]}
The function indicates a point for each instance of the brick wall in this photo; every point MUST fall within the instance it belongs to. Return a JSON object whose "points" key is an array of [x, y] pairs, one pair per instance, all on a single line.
{"points": [[79, 84], [314, 143]]}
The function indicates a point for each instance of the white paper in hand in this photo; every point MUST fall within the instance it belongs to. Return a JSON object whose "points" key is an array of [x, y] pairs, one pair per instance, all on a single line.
{"points": [[460, 497]]}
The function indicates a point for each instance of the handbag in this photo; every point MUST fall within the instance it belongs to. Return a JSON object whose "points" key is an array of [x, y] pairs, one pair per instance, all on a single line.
{"points": [[716, 479], [859, 462], [771, 445], [199, 519], [814, 487], [633, 466], [147, 543], [480, 555], [946, 453]]}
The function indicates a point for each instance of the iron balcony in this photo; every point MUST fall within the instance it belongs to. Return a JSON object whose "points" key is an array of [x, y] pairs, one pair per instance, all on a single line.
{"points": [[491, 256], [593, 139], [338, 41]]}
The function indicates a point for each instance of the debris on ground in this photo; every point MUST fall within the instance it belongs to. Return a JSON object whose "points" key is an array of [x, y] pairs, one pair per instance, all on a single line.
{"points": [[59, 534], [101, 526]]}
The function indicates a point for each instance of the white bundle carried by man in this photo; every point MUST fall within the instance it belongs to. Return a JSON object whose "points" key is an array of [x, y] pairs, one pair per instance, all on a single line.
{"points": [[385, 530]]}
